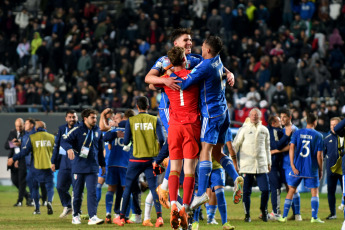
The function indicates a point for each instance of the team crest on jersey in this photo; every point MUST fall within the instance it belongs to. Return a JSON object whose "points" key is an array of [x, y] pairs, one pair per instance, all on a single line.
{"points": [[96, 134], [75, 176]]}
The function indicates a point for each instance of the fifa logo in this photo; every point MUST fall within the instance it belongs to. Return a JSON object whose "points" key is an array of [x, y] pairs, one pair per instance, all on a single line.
{"points": [[143, 126], [43, 143]]}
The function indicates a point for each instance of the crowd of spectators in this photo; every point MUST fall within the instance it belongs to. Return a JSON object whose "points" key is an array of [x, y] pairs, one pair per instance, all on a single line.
{"points": [[81, 53]]}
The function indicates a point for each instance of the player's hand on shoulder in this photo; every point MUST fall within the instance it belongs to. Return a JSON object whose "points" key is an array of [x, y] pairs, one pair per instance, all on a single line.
{"points": [[171, 83]]}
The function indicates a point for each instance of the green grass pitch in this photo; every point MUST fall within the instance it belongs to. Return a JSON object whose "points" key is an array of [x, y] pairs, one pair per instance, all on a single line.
{"points": [[22, 218]]}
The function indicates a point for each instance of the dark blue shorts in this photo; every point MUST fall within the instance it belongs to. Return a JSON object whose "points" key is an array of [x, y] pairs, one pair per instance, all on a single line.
{"points": [[116, 176]]}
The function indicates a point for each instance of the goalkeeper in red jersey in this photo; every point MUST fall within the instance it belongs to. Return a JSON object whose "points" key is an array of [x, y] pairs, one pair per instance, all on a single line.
{"points": [[183, 137]]}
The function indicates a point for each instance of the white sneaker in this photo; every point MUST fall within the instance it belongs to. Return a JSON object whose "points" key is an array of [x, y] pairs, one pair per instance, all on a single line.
{"points": [[272, 216], [76, 220], [341, 207], [213, 221], [95, 220], [199, 200], [135, 218], [66, 211], [343, 227], [298, 218]]}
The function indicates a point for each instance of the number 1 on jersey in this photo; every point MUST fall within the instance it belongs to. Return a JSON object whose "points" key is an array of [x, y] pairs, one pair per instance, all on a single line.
{"points": [[181, 97]]}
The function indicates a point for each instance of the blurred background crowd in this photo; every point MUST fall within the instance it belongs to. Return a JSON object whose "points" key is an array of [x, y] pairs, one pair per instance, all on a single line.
{"points": [[76, 54]]}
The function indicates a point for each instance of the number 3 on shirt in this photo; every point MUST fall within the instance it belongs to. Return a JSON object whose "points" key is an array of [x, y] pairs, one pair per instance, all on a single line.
{"points": [[181, 97], [305, 146]]}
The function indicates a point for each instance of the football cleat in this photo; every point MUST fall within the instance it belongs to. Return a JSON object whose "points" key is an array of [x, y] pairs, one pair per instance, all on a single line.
{"points": [[238, 190], [318, 220], [159, 222], [227, 226], [147, 223], [174, 217], [199, 200]]}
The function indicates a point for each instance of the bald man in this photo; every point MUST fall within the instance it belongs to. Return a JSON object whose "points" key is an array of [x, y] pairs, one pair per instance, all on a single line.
{"points": [[41, 145], [18, 171]]}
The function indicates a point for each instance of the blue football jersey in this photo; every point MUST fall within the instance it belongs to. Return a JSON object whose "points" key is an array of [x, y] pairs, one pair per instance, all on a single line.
{"points": [[162, 62], [118, 157], [209, 74], [307, 143], [286, 157]]}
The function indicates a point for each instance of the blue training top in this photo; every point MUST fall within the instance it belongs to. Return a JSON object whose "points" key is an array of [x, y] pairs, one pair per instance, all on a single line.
{"points": [[117, 156]]}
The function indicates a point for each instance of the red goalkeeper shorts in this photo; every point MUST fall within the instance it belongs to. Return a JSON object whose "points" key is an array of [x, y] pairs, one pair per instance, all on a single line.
{"points": [[184, 141]]}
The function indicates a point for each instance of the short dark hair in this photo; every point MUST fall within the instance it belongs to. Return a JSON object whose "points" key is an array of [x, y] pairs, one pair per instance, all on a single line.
{"points": [[215, 44], [178, 33], [70, 111], [311, 118], [176, 56], [143, 103], [31, 120], [129, 113], [285, 111], [87, 112]]}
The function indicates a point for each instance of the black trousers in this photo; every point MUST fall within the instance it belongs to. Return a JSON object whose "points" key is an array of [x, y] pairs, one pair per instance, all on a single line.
{"points": [[18, 177]]}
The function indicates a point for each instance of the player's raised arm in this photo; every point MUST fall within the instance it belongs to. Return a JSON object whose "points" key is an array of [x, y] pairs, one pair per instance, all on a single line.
{"points": [[152, 77]]}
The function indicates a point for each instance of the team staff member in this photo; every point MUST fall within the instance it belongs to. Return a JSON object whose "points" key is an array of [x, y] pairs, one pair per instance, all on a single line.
{"points": [[61, 162], [144, 130], [41, 145], [29, 127], [332, 146], [84, 146], [278, 144], [253, 142], [18, 171], [339, 129]]}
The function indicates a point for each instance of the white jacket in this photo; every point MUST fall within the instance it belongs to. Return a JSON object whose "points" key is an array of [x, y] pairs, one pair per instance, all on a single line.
{"points": [[253, 142]]}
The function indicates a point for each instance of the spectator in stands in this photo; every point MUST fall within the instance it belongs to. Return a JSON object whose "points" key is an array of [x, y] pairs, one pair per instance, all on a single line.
{"points": [[241, 23], [21, 95], [297, 26], [280, 97], [307, 10], [214, 22], [23, 50], [228, 20], [253, 96], [336, 62], [301, 77], [139, 69], [10, 96], [35, 44], [84, 62], [22, 20]]}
